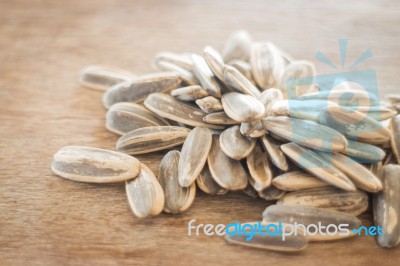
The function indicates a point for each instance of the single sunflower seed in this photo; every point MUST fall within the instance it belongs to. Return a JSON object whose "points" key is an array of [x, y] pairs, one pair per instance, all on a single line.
{"points": [[298, 180], [331, 198], [376, 112], [187, 76], [227, 172], [219, 118], [182, 60], [234, 144], [363, 152], [194, 154], [189, 93], [205, 76], [395, 140], [348, 97], [210, 104], [215, 62], [271, 193], [243, 67], [239, 82], [237, 46], [102, 77], [206, 183], [252, 129], [138, 89], [269, 97], [150, 139], [145, 195], [250, 191], [93, 165], [260, 170], [314, 164], [168, 107], [242, 107], [386, 207], [177, 198], [274, 152], [296, 71]]}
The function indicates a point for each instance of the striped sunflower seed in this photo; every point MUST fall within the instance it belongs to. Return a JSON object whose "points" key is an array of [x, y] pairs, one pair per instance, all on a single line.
{"points": [[349, 97], [194, 154], [187, 76], [309, 215], [386, 207], [239, 82], [206, 183], [138, 89], [274, 152], [306, 133], [357, 173], [267, 65], [219, 118], [93, 165], [395, 140], [209, 104], [189, 93], [150, 139], [378, 112], [124, 117], [314, 164], [260, 170], [234, 144], [271, 193], [298, 180], [252, 129], [102, 77], [177, 198], [214, 61], [237, 46], [298, 70], [363, 152], [331, 198], [182, 60], [168, 107], [243, 67], [354, 124], [242, 107], [269, 97], [206, 76], [145, 195], [227, 172], [293, 243]]}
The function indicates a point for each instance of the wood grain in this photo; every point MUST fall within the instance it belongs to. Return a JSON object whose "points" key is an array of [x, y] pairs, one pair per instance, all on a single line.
{"points": [[43, 46]]}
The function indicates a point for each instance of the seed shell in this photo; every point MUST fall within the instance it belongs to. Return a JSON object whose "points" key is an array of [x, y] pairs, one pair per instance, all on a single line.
{"points": [[234, 144]]}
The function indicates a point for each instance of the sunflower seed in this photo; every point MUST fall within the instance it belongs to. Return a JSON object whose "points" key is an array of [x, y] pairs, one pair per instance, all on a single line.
{"points": [[292, 243], [242, 107], [306, 133], [239, 82], [243, 67], [376, 112], [228, 173], [295, 71], [271, 193], [395, 140], [237, 46], [219, 118], [138, 89], [194, 154], [349, 97], [314, 164], [168, 107], [260, 170], [186, 75], [182, 60], [250, 191], [190, 93], [267, 65], [150, 139], [386, 207], [363, 152], [253, 129], [210, 104], [308, 215], [145, 195], [177, 198], [102, 77], [214, 61], [269, 97], [234, 144], [93, 165], [205, 76], [357, 173], [354, 124], [123, 117], [274, 152], [331, 198], [298, 180], [206, 183]]}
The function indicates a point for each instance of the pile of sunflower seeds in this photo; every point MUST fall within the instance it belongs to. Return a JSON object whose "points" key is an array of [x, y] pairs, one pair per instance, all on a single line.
{"points": [[227, 124]]}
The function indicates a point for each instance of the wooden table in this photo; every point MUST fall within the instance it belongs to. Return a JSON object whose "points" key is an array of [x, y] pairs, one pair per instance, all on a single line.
{"points": [[44, 45]]}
